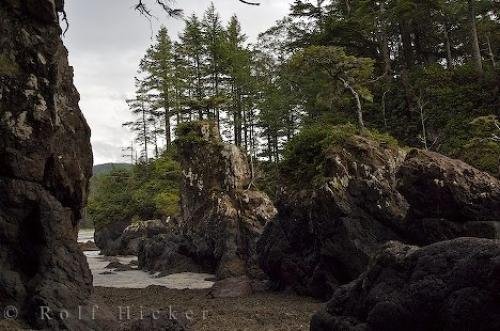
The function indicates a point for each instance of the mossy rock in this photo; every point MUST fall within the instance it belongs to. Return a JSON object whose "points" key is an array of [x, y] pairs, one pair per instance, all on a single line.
{"points": [[198, 131], [306, 154], [8, 67]]}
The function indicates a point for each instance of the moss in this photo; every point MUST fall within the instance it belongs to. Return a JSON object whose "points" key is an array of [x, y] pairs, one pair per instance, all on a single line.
{"points": [[197, 131], [305, 155], [7, 66]]}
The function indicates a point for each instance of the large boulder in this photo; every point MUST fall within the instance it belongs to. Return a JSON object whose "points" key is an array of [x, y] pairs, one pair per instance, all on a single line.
{"points": [[222, 214], [450, 285], [124, 238], [45, 165], [108, 237], [448, 198], [324, 236], [370, 192]]}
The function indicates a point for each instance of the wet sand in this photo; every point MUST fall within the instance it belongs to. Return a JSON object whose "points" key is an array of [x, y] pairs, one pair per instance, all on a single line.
{"points": [[259, 312], [105, 277], [189, 293]]}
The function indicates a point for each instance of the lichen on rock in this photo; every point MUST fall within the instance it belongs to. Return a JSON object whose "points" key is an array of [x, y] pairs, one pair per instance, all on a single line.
{"points": [[222, 215], [44, 169]]}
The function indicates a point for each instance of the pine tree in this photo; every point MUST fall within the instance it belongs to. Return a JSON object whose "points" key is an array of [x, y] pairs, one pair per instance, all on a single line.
{"points": [[213, 37], [140, 106], [159, 69], [191, 50]]}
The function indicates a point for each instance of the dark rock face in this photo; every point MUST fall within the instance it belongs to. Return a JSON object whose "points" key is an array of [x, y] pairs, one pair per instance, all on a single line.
{"points": [[45, 164], [325, 237], [123, 238], [171, 253], [108, 238], [222, 215], [448, 198], [450, 285]]}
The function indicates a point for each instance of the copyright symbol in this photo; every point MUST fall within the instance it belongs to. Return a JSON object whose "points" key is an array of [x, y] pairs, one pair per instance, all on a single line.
{"points": [[10, 313]]}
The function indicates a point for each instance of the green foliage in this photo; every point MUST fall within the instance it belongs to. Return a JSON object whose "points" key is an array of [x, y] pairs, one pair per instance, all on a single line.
{"points": [[188, 132], [324, 72], [481, 144], [305, 155], [144, 192]]}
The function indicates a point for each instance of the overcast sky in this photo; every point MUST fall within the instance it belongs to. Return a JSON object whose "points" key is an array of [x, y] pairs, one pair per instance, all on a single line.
{"points": [[106, 41]]}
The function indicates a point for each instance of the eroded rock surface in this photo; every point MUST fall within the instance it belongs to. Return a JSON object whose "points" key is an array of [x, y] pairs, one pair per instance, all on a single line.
{"points": [[325, 236], [450, 285], [448, 198], [123, 238], [223, 216], [372, 193], [45, 164]]}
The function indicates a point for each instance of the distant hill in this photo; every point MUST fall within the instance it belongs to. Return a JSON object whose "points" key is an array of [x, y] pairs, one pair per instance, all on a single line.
{"points": [[108, 167]]}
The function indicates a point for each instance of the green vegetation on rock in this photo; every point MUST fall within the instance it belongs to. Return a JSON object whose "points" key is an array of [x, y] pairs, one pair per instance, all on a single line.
{"points": [[305, 156]]}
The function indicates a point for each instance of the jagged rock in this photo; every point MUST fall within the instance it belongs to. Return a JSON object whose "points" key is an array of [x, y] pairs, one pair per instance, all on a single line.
{"points": [[448, 198], [123, 238], [134, 233], [171, 253], [222, 214], [450, 285], [109, 237], [325, 236], [45, 164]]}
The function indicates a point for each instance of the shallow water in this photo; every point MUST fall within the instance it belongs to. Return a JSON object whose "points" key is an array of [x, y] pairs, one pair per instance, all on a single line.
{"points": [[137, 278], [85, 235]]}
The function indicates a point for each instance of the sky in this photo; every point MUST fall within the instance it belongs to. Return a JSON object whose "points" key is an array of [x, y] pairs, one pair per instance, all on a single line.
{"points": [[106, 40]]}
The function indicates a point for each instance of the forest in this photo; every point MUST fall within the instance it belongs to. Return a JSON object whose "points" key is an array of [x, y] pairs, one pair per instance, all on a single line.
{"points": [[422, 73]]}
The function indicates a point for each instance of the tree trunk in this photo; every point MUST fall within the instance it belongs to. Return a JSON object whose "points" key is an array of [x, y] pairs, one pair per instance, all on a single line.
{"points": [[490, 52], [384, 107], [421, 106], [384, 41], [449, 58], [476, 51], [269, 147], [168, 134], [144, 132], [407, 45], [359, 109]]}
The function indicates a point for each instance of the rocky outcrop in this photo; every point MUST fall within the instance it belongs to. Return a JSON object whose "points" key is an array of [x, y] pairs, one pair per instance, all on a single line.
{"points": [[45, 164], [450, 285], [123, 238], [223, 216], [372, 193], [448, 198], [108, 237], [325, 236]]}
